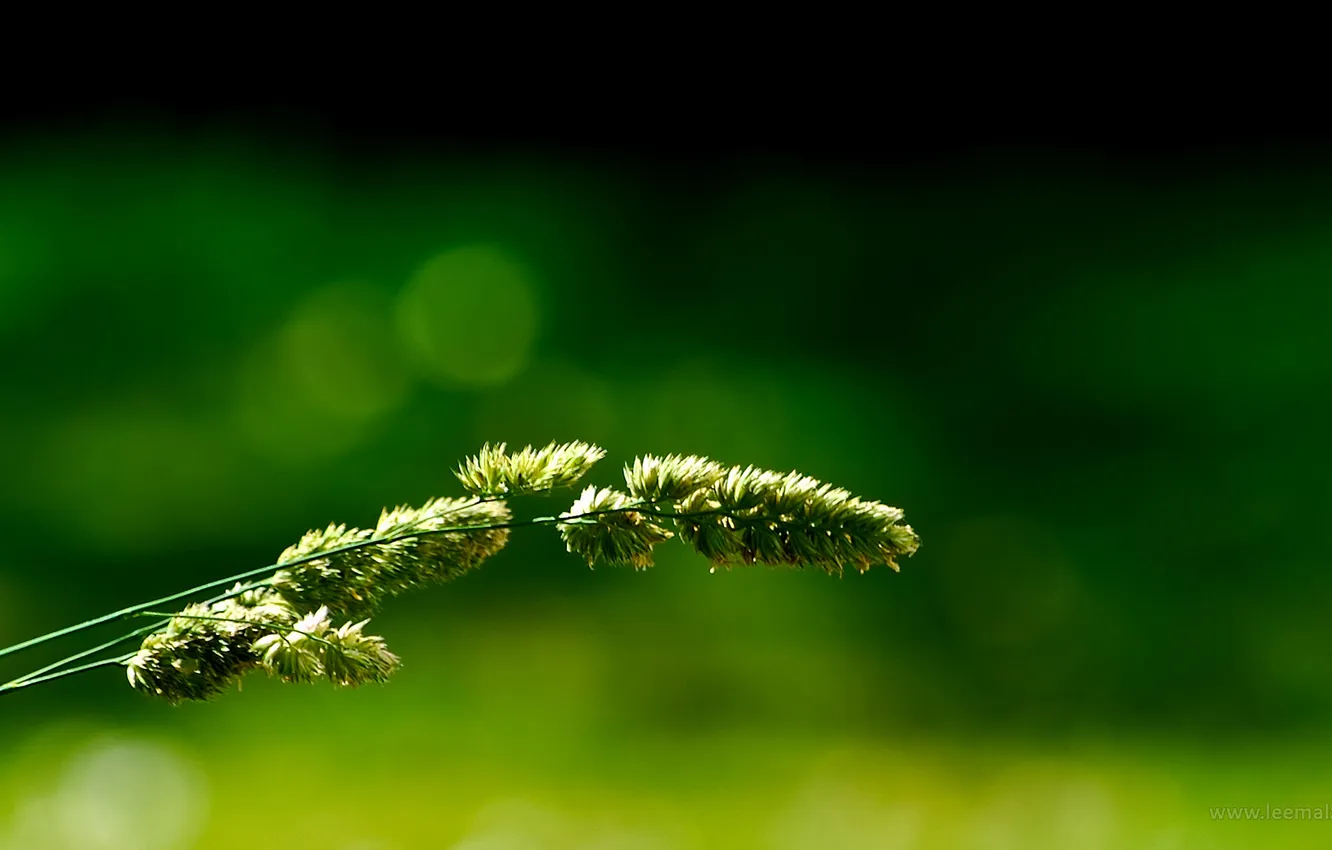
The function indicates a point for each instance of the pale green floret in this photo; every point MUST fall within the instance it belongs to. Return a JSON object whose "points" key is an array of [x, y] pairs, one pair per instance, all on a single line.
{"points": [[494, 472], [603, 527], [670, 478]]}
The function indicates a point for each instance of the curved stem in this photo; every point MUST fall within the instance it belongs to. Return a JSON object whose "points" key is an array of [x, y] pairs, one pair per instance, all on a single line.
{"points": [[55, 665], [105, 662], [360, 544], [258, 571], [134, 609], [142, 630]]}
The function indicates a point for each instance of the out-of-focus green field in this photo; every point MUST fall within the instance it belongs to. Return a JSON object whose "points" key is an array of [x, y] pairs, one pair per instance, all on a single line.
{"points": [[510, 754], [1101, 397], [540, 727]]}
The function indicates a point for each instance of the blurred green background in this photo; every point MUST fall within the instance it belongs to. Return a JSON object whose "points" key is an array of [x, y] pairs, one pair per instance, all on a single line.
{"points": [[1100, 393]]}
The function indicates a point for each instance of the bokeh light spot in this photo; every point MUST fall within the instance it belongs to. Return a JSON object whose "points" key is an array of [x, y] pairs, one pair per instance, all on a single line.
{"points": [[339, 349], [833, 813], [116, 793], [312, 390], [469, 317]]}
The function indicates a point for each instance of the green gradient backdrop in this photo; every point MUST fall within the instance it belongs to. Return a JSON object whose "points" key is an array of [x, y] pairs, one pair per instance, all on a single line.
{"points": [[1101, 396]]}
